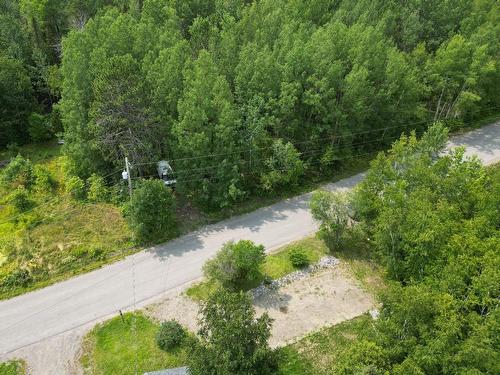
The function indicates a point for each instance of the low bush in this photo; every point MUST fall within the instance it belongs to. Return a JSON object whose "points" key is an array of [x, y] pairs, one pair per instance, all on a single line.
{"points": [[151, 212], [19, 172], [20, 199], [236, 265], [170, 335], [18, 278], [299, 258], [75, 187], [98, 191], [44, 182]]}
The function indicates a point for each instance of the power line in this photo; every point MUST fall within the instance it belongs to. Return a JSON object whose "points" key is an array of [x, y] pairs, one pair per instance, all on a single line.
{"points": [[333, 138], [191, 170]]}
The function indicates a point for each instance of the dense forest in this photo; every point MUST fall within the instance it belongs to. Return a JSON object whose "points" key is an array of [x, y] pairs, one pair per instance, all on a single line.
{"points": [[242, 97], [432, 220]]}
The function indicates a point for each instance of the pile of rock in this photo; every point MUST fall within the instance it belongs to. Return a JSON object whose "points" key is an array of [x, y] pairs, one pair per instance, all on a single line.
{"points": [[266, 287]]}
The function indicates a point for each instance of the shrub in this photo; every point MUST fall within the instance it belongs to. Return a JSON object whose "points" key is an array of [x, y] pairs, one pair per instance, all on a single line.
{"points": [[19, 172], [44, 182], [331, 209], [97, 253], [75, 187], [284, 167], [151, 212], [20, 199], [298, 258], [98, 191], [170, 335], [236, 264], [18, 278], [13, 149]]}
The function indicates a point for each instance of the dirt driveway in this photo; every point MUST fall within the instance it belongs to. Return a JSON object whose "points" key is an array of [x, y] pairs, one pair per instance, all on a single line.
{"points": [[322, 299]]}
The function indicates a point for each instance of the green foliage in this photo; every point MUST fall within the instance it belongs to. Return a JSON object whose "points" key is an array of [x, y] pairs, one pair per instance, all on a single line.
{"points": [[14, 367], [332, 210], [97, 189], [44, 182], [434, 220], [207, 126], [170, 335], [18, 173], [75, 187], [15, 101], [17, 278], [39, 128], [246, 99], [20, 199], [226, 316], [236, 264], [284, 167], [298, 258], [151, 211], [12, 150], [118, 118]]}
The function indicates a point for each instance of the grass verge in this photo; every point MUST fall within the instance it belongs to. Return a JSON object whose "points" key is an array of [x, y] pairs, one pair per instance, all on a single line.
{"points": [[318, 353], [127, 347], [14, 367]]}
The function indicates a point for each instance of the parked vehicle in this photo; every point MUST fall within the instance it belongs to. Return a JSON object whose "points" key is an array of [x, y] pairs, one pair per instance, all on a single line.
{"points": [[166, 173]]}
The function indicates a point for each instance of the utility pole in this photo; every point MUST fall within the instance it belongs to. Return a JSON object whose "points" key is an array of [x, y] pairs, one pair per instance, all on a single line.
{"points": [[127, 168]]}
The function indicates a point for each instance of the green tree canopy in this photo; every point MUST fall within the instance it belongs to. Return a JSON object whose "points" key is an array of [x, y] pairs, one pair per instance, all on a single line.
{"points": [[236, 265], [231, 339], [151, 211]]}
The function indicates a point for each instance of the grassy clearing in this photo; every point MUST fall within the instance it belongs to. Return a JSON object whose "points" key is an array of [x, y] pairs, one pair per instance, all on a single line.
{"points": [[58, 237], [275, 265], [15, 367], [127, 347], [36, 152]]}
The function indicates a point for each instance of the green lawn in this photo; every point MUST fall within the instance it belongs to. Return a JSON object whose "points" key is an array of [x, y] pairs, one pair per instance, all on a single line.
{"points": [[15, 367], [129, 347], [276, 265]]}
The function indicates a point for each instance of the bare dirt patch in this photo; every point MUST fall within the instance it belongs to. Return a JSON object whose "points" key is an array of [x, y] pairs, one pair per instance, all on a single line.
{"points": [[325, 298], [178, 307]]}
